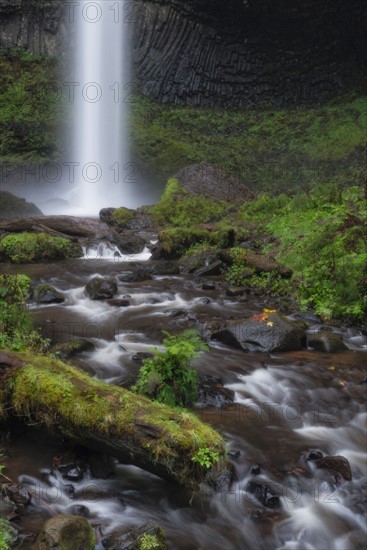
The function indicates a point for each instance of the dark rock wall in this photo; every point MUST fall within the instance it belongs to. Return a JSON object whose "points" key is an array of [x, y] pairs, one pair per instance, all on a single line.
{"points": [[245, 53], [38, 26], [236, 53]]}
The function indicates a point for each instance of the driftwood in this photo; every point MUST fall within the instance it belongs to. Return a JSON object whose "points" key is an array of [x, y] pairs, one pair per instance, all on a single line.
{"points": [[44, 391]]}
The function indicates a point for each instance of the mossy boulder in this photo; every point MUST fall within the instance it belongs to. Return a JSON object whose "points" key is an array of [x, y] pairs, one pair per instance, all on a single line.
{"points": [[173, 242], [47, 294], [66, 533], [147, 537], [66, 350], [196, 258], [21, 248], [12, 206], [100, 289], [120, 217]]}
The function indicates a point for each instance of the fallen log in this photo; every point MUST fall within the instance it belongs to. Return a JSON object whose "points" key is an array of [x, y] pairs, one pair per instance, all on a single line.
{"points": [[130, 427]]}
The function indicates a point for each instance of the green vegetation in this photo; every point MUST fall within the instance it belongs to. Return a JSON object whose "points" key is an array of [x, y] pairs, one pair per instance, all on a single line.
{"points": [[178, 207], [268, 149], [6, 537], [58, 396], [167, 377], [322, 237], [151, 542], [23, 248], [205, 457], [16, 331], [122, 216], [30, 107]]}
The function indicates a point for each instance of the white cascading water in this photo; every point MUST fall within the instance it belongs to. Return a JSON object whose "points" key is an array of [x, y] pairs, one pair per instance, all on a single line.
{"points": [[100, 113]]}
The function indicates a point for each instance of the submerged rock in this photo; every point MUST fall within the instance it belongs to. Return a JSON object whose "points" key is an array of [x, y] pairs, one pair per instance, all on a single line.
{"points": [[326, 341], [66, 532], [100, 289], [149, 536], [264, 333]]}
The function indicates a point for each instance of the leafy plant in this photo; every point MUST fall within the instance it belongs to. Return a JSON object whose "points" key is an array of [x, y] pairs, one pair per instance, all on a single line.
{"points": [[16, 331], [168, 377], [205, 457]]}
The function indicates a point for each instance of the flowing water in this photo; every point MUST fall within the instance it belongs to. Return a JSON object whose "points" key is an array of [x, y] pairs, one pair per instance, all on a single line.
{"points": [[285, 405]]}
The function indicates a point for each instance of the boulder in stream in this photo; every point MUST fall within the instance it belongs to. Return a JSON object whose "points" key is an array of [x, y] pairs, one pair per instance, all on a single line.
{"points": [[149, 536], [71, 348], [66, 532], [212, 392], [326, 341], [264, 332], [47, 294], [100, 289], [338, 464]]}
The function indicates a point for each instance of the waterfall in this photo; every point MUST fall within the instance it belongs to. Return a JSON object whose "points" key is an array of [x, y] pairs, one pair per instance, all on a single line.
{"points": [[100, 91]]}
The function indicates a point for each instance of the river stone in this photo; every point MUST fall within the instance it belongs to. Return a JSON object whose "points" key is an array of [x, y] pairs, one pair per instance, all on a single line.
{"points": [[338, 464], [137, 538], [164, 268], [191, 262], [66, 532], [215, 268], [47, 294], [100, 289], [275, 333], [128, 243], [12, 206], [264, 494], [326, 341], [212, 393]]}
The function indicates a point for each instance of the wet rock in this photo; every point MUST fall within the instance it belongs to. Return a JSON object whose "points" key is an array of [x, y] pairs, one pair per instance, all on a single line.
{"points": [[105, 215], [71, 472], [326, 341], [314, 454], [17, 494], [66, 532], [235, 291], [140, 274], [256, 469], [133, 539], [128, 242], [78, 510], [12, 206], [204, 300], [310, 317], [141, 356], [337, 464], [208, 285], [212, 393], [164, 268], [101, 465], [100, 289], [191, 262], [47, 294], [119, 302], [219, 478], [263, 333], [178, 313], [264, 494], [215, 268], [234, 454], [66, 350]]}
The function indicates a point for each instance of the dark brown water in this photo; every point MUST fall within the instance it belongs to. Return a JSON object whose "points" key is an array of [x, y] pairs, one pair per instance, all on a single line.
{"points": [[285, 405]]}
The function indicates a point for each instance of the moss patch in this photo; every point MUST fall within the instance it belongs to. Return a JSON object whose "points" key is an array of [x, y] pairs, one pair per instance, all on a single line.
{"points": [[26, 247]]}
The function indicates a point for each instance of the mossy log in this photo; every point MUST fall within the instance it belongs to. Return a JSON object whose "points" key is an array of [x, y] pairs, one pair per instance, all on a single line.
{"points": [[125, 425]]}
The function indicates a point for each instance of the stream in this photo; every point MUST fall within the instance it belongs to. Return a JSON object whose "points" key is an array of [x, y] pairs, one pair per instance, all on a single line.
{"points": [[286, 405]]}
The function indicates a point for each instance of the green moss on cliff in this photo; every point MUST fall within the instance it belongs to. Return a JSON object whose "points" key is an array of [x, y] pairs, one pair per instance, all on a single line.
{"points": [[268, 149]]}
